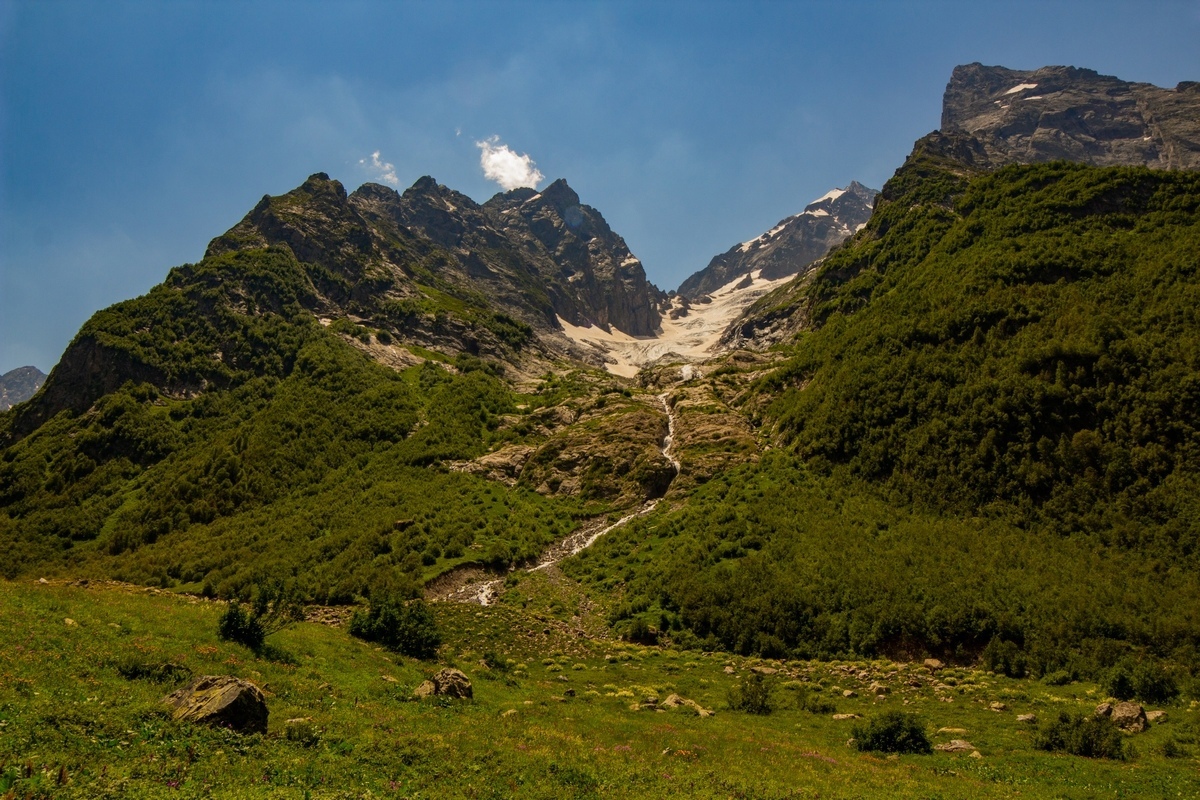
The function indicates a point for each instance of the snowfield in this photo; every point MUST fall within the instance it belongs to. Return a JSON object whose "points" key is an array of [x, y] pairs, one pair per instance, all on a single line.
{"points": [[691, 337]]}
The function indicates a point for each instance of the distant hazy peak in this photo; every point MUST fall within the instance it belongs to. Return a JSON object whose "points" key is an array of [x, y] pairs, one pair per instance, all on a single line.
{"points": [[18, 385]]}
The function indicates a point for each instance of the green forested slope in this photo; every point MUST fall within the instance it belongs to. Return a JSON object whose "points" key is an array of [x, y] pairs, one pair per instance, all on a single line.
{"points": [[246, 442], [1032, 350], [990, 431]]}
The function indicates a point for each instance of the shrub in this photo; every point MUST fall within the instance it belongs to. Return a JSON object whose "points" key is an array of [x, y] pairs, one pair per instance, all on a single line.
{"points": [[1153, 684], [1148, 681], [1004, 658], [752, 694], [409, 628], [1081, 735], [1057, 678], [303, 732], [494, 660], [814, 703], [275, 608], [892, 732], [240, 626], [1118, 681], [134, 669]]}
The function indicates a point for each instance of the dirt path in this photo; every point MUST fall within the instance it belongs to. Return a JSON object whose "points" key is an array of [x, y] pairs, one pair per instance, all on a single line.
{"points": [[473, 584]]}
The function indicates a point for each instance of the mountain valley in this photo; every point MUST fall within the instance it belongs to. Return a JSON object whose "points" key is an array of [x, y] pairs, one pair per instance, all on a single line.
{"points": [[936, 445]]}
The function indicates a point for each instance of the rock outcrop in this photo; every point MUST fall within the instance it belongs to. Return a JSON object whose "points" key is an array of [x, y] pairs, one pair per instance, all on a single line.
{"points": [[1065, 113], [223, 701], [598, 280], [448, 682], [1128, 716]]}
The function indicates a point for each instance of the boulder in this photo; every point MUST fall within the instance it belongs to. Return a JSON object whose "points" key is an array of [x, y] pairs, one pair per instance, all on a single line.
{"points": [[1104, 710], [933, 665], [997, 706], [842, 717], [1030, 719], [764, 670], [676, 701], [221, 700], [954, 746], [849, 693], [1129, 717], [448, 682], [1156, 716], [878, 688]]}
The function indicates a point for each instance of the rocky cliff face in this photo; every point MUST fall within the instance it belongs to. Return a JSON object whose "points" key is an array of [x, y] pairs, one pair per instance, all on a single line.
{"points": [[1065, 113], [595, 278], [18, 385], [793, 244], [533, 255]]}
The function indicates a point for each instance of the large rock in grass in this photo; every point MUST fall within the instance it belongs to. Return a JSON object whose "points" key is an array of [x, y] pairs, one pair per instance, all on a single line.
{"points": [[448, 682], [223, 701], [1129, 717]]}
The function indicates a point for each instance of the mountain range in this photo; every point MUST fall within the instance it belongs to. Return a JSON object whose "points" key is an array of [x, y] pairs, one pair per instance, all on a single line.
{"points": [[955, 414]]}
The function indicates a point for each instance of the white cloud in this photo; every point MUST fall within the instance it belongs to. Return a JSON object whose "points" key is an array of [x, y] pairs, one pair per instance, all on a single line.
{"points": [[502, 165], [384, 170]]}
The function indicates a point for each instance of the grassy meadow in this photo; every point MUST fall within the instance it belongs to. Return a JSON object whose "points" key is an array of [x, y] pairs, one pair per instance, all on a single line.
{"points": [[82, 673]]}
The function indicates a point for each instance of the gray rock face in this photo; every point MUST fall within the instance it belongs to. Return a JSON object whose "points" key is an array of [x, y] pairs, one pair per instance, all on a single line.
{"points": [[598, 279], [221, 700], [793, 244], [1129, 717], [1065, 113], [18, 385]]}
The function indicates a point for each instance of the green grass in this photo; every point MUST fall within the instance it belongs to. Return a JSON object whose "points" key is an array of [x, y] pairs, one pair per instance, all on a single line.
{"points": [[65, 704]]}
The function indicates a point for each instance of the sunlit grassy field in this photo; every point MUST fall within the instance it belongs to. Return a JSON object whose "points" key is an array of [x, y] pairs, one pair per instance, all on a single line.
{"points": [[72, 726]]}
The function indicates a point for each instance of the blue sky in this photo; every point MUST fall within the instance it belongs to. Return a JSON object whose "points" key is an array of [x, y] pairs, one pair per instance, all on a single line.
{"points": [[132, 133]]}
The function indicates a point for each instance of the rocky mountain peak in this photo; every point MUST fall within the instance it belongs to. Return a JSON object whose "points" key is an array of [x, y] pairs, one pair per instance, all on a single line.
{"points": [[320, 183], [1067, 113], [791, 245], [560, 195]]}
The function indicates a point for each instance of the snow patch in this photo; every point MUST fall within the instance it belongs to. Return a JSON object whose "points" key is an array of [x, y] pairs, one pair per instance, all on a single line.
{"points": [[832, 194], [1021, 87], [691, 336], [757, 240], [1035, 97], [817, 212]]}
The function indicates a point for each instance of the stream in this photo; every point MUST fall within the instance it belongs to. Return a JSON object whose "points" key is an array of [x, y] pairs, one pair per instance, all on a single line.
{"points": [[485, 592]]}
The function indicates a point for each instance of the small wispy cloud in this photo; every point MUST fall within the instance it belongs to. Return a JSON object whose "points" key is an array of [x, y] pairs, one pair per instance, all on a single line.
{"points": [[505, 167], [383, 170]]}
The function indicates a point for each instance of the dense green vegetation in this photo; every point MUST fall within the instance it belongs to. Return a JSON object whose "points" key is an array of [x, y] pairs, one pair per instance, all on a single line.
{"points": [[778, 559], [300, 460], [1026, 346]]}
